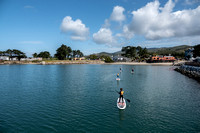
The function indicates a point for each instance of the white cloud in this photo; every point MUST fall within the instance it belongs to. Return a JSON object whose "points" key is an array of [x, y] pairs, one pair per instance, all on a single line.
{"points": [[117, 14], [104, 36], [191, 2], [155, 22], [127, 34], [76, 29], [31, 42], [106, 23]]}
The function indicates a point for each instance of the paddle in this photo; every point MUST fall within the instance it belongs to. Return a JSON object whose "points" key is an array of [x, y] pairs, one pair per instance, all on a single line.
{"points": [[124, 98]]}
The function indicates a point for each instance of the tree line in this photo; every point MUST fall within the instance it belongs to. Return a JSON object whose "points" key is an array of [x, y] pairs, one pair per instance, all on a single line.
{"points": [[62, 53], [139, 53], [135, 53], [13, 54], [65, 52]]}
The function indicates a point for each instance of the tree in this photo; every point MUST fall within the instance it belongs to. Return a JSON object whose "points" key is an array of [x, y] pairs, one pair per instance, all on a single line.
{"points": [[196, 51], [62, 52], [1, 53], [19, 54], [69, 51], [93, 57], [142, 52], [74, 52], [35, 55], [81, 54], [108, 59], [129, 51], [14, 53], [9, 53], [44, 54]]}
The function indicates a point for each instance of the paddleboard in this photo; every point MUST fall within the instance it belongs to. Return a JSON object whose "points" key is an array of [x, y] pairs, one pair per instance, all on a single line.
{"points": [[117, 78], [132, 72], [121, 105]]}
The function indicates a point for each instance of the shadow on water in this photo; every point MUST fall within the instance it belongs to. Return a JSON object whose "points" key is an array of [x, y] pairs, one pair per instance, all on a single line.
{"points": [[117, 83], [121, 114]]}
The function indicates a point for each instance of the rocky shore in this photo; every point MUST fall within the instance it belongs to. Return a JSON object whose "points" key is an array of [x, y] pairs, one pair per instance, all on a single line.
{"points": [[190, 71]]}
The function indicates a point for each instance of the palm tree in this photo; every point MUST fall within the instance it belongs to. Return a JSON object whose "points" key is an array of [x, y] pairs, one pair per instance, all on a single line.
{"points": [[74, 52]]}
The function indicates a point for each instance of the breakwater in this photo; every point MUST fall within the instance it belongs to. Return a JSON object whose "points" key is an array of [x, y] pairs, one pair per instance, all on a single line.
{"points": [[190, 71]]}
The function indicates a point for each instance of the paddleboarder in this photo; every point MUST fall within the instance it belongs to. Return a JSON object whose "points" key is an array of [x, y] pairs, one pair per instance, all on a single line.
{"points": [[132, 70], [121, 93], [117, 75]]}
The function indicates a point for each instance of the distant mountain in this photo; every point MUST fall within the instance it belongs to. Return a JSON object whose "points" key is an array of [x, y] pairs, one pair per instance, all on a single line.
{"points": [[163, 50], [109, 54]]}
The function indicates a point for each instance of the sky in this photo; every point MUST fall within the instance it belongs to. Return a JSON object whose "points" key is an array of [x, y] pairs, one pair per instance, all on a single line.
{"points": [[94, 26]]}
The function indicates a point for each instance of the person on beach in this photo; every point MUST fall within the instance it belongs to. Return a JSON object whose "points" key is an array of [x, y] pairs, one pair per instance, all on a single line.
{"points": [[118, 75], [121, 93]]}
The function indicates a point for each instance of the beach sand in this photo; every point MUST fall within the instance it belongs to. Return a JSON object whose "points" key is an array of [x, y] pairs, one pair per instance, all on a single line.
{"points": [[143, 63]]}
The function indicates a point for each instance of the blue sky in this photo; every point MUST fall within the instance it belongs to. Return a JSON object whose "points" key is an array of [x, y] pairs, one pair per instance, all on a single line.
{"points": [[97, 25]]}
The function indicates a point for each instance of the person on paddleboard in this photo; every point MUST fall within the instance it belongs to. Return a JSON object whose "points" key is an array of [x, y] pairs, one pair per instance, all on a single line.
{"points": [[132, 70], [121, 93], [117, 75], [120, 69]]}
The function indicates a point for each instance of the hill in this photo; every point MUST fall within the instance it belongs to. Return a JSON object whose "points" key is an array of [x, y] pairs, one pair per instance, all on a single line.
{"points": [[109, 54], [169, 50], [162, 51]]}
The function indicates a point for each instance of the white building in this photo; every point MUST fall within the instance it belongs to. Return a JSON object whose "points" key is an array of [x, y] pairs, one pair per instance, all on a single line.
{"points": [[4, 58], [31, 59]]}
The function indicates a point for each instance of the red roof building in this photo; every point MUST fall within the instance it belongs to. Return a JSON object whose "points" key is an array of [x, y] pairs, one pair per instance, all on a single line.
{"points": [[162, 59]]}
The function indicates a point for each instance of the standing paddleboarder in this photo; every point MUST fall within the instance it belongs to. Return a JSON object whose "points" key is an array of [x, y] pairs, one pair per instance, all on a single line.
{"points": [[132, 70], [121, 93]]}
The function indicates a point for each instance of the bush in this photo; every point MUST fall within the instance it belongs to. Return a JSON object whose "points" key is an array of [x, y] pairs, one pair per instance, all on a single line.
{"points": [[108, 59]]}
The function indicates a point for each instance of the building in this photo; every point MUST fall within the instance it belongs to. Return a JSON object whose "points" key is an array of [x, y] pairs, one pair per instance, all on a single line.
{"points": [[81, 58], [31, 59], [160, 58], [4, 58], [119, 58]]}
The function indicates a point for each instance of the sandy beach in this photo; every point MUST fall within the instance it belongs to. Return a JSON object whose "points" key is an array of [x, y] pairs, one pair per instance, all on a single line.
{"points": [[142, 63]]}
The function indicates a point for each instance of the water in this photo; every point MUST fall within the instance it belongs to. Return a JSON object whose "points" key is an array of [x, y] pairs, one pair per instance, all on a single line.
{"points": [[82, 98]]}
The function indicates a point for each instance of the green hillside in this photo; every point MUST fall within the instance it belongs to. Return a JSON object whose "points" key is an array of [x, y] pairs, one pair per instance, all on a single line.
{"points": [[169, 50]]}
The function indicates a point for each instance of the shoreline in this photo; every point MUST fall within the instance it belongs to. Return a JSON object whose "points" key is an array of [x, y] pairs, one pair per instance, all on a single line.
{"points": [[142, 63], [68, 62]]}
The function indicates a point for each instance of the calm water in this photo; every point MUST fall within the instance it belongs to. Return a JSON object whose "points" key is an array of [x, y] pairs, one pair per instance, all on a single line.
{"points": [[82, 98]]}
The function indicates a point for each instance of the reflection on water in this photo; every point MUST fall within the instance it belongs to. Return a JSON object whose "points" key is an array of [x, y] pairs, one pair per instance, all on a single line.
{"points": [[121, 114]]}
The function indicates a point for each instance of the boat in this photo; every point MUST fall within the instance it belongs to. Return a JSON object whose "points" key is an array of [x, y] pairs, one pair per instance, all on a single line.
{"points": [[118, 79], [121, 105]]}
